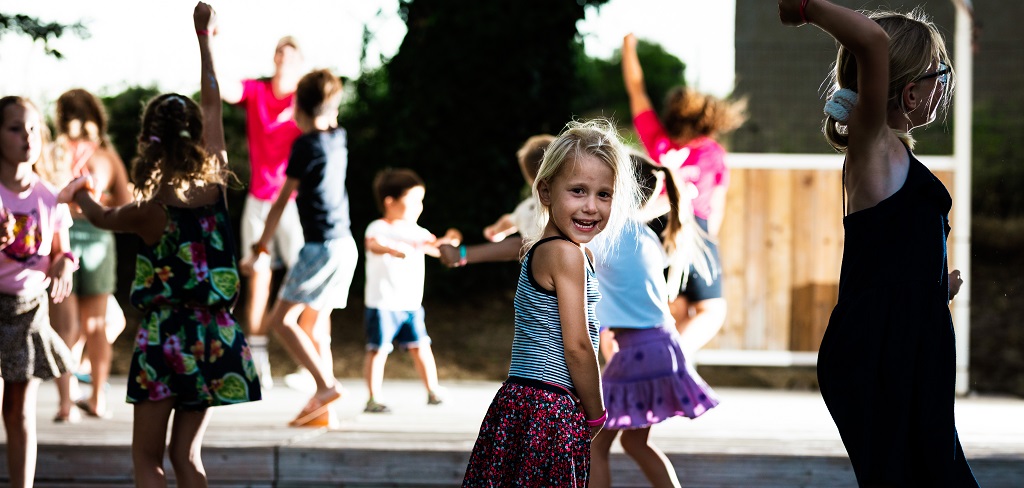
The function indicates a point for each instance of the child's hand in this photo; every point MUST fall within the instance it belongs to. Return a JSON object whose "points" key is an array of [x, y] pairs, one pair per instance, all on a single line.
{"points": [[954, 283], [789, 12], [255, 262], [451, 236], [60, 273], [67, 195], [449, 255], [205, 18]]}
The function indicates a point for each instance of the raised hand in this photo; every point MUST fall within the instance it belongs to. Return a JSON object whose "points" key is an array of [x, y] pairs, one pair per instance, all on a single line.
{"points": [[205, 18], [955, 280], [789, 12]]}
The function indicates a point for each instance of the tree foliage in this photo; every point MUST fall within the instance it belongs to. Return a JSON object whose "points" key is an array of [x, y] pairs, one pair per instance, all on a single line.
{"points": [[40, 30]]}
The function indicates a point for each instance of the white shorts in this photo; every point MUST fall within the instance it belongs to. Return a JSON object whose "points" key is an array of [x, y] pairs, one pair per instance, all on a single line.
{"points": [[287, 242], [323, 275]]}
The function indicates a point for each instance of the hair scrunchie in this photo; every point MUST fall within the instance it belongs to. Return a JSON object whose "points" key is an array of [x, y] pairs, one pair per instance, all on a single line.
{"points": [[840, 105], [184, 134]]}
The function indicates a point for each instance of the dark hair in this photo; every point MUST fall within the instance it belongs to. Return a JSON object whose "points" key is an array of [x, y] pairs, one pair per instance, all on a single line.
{"points": [[393, 183], [170, 148], [689, 114], [316, 92], [79, 104], [531, 154]]}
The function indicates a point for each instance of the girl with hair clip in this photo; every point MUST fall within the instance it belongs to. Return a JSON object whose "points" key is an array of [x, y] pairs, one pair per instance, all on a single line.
{"points": [[648, 379], [35, 255], [190, 353], [886, 366], [683, 139], [90, 317], [538, 429]]}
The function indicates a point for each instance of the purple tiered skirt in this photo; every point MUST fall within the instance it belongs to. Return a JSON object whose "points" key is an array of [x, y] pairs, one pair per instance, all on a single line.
{"points": [[649, 380]]}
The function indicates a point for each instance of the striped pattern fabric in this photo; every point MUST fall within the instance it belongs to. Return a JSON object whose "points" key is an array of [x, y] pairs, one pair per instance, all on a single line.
{"points": [[537, 349]]}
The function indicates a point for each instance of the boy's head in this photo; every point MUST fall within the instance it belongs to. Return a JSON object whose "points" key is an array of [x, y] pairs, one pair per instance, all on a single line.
{"points": [[317, 94], [531, 154], [288, 56], [399, 194]]}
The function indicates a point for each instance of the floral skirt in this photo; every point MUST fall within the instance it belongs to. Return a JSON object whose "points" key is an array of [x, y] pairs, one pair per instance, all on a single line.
{"points": [[649, 380], [197, 356], [29, 347], [531, 437]]}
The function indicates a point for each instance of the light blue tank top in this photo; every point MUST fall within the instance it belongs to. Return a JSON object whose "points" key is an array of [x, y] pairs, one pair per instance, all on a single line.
{"points": [[632, 280]]}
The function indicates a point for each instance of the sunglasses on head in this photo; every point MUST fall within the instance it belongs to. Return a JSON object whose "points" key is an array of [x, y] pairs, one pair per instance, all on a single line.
{"points": [[942, 73]]}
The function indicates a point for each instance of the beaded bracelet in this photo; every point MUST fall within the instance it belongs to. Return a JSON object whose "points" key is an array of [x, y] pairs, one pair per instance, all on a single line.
{"points": [[204, 32], [462, 256]]}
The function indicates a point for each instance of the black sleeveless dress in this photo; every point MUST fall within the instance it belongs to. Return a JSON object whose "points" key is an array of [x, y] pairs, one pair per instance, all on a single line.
{"points": [[886, 366]]}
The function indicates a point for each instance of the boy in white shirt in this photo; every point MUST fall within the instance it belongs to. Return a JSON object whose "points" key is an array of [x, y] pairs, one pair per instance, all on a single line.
{"points": [[395, 250]]}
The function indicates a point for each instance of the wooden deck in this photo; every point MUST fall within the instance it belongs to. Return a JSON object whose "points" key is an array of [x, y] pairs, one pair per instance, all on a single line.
{"points": [[763, 438]]}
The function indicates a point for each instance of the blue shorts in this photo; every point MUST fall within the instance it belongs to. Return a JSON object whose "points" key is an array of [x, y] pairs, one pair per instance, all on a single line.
{"points": [[384, 327], [322, 275]]}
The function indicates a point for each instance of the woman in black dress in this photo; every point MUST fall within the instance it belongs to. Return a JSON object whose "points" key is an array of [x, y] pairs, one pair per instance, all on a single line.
{"points": [[887, 362]]}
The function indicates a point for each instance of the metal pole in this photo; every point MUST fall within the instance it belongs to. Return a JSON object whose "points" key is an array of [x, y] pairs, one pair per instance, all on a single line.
{"points": [[962, 122]]}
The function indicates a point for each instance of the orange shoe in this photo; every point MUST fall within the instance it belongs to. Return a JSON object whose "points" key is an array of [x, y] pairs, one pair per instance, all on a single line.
{"points": [[327, 419], [315, 408]]}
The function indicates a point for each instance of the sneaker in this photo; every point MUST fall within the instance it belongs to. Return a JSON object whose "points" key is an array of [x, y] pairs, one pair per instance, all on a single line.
{"points": [[301, 380], [373, 406], [434, 397]]}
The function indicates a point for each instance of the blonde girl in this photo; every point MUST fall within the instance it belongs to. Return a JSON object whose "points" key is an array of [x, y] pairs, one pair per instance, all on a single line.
{"points": [[886, 365], [35, 255], [538, 429], [190, 353]]}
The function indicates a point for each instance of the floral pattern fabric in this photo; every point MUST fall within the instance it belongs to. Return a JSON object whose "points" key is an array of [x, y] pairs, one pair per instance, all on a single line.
{"points": [[531, 437], [189, 346]]}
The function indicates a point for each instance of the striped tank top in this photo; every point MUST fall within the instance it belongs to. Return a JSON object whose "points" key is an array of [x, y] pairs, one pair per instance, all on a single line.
{"points": [[537, 349]]}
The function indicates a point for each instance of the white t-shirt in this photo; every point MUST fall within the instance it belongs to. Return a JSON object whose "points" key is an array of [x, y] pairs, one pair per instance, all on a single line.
{"points": [[394, 283], [525, 218]]}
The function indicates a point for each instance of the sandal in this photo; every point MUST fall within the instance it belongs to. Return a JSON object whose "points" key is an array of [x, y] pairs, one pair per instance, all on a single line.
{"points": [[83, 405], [434, 398], [73, 417], [373, 406], [314, 409]]}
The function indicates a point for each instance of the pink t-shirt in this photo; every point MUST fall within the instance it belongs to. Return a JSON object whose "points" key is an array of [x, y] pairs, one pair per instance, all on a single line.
{"points": [[701, 161], [271, 130], [37, 215]]}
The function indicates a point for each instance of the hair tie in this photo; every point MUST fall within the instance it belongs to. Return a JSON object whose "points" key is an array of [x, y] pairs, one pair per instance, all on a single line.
{"points": [[840, 105], [154, 139], [184, 134]]}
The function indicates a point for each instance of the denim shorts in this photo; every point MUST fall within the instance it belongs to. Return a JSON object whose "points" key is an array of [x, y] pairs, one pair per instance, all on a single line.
{"points": [[322, 275], [384, 327]]}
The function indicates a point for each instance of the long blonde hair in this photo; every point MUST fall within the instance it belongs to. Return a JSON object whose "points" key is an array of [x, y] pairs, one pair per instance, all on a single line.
{"points": [[914, 42], [597, 138]]}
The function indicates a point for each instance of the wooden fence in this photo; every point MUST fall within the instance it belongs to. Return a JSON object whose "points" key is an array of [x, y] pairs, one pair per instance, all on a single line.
{"points": [[782, 246]]}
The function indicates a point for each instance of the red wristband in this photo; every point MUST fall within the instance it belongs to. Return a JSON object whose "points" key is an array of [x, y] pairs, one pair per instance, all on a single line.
{"points": [[204, 32], [599, 421], [70, 256], [803, 13]]}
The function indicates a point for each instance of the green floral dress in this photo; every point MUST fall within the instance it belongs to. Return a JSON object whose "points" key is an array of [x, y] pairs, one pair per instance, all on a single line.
{"points": [[189, 346]]}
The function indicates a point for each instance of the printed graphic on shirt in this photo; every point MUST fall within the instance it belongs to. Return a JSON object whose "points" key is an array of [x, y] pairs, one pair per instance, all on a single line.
{"points": [[27, 238]]}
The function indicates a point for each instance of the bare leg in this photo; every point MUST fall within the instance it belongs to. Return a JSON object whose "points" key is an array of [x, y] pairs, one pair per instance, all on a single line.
{"points": [[93, 317], [608, 345], [256, 296], [705, 323], [655, 465], [19, 411], [373, 372], [116, 322], [317, 326], [64, 320], [185, 450], [149, 437], [600, 466], [423, 359], [283, 319]]}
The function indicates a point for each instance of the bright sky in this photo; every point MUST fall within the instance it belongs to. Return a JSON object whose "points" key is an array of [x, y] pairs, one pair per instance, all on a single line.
{"points": [[153, 43]]}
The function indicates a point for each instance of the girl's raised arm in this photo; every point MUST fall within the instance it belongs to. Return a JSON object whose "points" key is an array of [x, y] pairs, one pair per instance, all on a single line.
{"points": [[633, 77], [205, 20]]}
